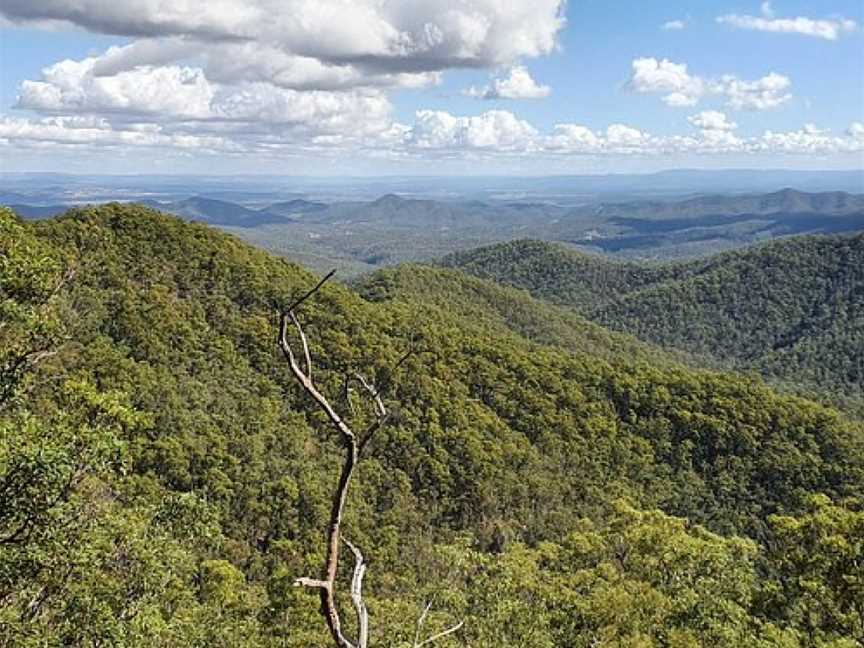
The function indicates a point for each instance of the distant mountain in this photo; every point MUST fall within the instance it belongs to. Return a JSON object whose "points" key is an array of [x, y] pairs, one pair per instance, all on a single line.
{"points": [[786, 201], [216, 212], [396, 228], [38, 211], [792, 309], [61, 188], [363, 235], [296, 207]]}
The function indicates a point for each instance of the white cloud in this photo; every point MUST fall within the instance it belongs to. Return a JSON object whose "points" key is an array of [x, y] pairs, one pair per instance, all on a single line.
{"points": [[71, 86], [621, 135], [497, 130], [237, 62], [517, 85], [369, 35], [768, 92], [673, 25], [807, 140], [171, 95], [433, 134], [92, 133], [825, 28], [652, 76], [274, 75], [682, 89], [712, 120], [574, 138]]}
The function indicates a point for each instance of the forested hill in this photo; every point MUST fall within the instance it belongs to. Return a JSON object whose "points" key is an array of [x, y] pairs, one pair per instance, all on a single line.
{"points": [[491, 309], [792, 309], [164, 480], [785, 201]]}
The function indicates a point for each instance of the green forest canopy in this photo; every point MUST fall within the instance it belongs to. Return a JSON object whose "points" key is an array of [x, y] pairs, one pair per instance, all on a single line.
{"points": [[164, 480], [792, 310]]}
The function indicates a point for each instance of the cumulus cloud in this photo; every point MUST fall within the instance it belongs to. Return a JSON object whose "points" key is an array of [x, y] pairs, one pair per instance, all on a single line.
{"points": [[680, 88], [825, 28], [71, 86], [434, 134], [768, 92], [272, 74], [369, 35], [672, 79], [807, 140], [237, 62], [172, 95], [715, 138], [497, 130], [712, 120], [81, 132], [673, 25], [517, 85], [621, 135]]}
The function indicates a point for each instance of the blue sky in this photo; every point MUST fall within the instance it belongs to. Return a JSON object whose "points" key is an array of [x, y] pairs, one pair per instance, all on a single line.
{"points": [[490, 86]]}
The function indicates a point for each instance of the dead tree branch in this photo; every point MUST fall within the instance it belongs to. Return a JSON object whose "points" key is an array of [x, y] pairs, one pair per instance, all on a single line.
{"points": [[440, 635], [354, 445]]}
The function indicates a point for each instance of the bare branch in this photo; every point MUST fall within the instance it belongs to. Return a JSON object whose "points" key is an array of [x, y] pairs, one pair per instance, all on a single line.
{"points": [[357, 595], [353, 448], [422, 619], [305, 379], [327, 584], [306, 354], [371, 430], [314, 290], [440, 635], [381, 413], [374, 394]]}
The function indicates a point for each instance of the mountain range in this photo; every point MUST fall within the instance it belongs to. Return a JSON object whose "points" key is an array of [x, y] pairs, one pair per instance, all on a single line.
{"points": [[359, 236]]}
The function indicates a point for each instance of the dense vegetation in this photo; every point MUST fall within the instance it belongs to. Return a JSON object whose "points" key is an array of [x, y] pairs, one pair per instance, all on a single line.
{"points": [[792, 310], [164, 480]]}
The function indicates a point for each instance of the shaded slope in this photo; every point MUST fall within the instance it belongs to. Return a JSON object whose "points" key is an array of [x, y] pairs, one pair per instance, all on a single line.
{"points": [[791, 309], [492, 309], [217, 212], [557, 273]]}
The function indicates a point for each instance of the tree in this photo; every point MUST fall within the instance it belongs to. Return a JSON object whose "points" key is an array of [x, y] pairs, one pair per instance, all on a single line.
{"points": [[31, 326], [354, 444], [818, 584]]}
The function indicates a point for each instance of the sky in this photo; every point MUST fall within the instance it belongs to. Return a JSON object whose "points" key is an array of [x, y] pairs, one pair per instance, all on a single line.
{"points": [[432, 87]]}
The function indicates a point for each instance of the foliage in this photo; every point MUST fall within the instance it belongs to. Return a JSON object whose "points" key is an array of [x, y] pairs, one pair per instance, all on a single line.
{"points": [[792, 310], [173, 479]]}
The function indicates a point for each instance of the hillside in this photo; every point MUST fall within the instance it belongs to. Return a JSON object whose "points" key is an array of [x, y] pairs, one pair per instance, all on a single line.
{"points": [[165, 480], [785, 201], [491, 309], [792, 310]]}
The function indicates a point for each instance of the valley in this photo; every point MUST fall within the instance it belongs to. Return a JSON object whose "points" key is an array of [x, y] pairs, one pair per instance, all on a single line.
{"points": [[358, 236]]}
